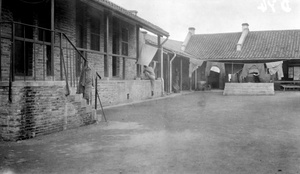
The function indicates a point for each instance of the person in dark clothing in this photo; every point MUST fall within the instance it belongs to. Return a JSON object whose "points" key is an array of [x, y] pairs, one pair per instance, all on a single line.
{"points": [[256, 77]]}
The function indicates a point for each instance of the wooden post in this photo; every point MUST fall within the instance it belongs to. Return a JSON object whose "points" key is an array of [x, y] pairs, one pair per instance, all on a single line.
{"points": [[231, 71], [0, 41], [96, 92], [159, 73], [168, 74], [52, 38], [191, 81], [106, 68], [138, 67], [181, 74], [196, 76]]}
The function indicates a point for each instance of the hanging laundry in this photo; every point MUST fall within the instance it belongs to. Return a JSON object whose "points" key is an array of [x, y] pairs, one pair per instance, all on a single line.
{"points": [[86, 81], [258, 69], [275, 67]]}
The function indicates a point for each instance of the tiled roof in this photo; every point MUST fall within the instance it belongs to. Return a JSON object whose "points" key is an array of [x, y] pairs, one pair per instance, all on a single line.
{"points": [[259, 45], [145, 24], [171, 45]]}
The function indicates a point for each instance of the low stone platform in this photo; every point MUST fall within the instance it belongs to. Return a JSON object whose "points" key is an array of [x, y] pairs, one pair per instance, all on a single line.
{"points": [[249, 89]]}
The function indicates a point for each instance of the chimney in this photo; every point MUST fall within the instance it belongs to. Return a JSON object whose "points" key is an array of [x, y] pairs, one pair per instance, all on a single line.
{"points": [[192, 30], [245, 31], [187, 38], [134, 12]]}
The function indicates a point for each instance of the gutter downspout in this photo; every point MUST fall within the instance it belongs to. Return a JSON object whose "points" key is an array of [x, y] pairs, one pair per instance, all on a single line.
{"points": [[162, 65], [171, 77]]}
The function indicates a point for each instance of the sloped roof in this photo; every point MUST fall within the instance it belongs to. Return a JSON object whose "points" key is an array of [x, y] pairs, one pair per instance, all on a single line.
{"points": [[171, 45], [144, 23], [258, 46]]}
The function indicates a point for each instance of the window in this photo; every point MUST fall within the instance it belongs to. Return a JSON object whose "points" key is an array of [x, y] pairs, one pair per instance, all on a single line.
{"points": [[291, 72], [296, 72], [23, 49], [115, 59], [95, 33], [125, 41]]}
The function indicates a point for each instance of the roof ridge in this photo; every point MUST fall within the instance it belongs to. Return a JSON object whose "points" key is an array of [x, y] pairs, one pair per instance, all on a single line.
{"points": [[249, 32]]}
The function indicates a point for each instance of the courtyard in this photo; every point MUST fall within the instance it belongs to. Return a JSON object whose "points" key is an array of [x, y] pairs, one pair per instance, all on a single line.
{"points": [[199, 132]]}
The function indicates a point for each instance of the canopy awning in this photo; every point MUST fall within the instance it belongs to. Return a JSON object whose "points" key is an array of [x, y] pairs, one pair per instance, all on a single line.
{"points": [[194, 64], [147, 54]]}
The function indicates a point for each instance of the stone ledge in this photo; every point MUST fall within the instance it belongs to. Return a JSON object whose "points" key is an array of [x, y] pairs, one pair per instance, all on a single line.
{"points": [[249, 89], [34, 83]]}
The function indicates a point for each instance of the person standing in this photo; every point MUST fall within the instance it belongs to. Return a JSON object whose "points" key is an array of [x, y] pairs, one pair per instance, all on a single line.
{"points": [[149, 74]]}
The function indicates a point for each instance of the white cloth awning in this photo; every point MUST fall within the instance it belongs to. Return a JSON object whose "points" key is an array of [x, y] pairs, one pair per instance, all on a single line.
{"points": [[146, 55], [194, 64]]}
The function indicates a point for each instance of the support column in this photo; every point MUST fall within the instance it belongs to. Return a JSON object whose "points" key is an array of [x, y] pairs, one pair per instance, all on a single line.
{"points": [[196, 77], [168, 74], [138, 67], [159, 51], [106, 43], [191, 81], [0, 41], [52, 38], [181, 74]]}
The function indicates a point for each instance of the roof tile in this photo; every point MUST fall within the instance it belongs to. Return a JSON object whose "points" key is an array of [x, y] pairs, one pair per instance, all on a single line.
{"points": [[277, 44]]}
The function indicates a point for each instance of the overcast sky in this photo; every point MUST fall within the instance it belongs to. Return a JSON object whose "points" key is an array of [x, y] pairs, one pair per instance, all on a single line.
{"points": [[216, 16]]}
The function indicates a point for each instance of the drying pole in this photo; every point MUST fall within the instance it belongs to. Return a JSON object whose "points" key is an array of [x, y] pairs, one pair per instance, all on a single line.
{"points": [[100, 100]]}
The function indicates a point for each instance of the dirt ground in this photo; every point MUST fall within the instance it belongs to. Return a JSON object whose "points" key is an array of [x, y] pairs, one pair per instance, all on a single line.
{"points": [[201, 132]]}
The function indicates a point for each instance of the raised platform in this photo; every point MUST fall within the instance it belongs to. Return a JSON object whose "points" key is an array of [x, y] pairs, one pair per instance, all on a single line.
{"points": [[249, 89], [290, 87]]}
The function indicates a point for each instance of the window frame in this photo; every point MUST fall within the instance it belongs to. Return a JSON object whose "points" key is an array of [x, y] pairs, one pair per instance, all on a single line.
{"points": [[95, 32]]}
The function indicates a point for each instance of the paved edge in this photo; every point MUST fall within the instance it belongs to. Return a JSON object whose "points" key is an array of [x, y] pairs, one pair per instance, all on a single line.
{"points": [[150, 99]]}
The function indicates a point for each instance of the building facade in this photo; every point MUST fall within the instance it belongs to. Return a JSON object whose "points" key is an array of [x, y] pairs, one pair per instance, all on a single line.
{"points": [[55, 46], [237, 55]]}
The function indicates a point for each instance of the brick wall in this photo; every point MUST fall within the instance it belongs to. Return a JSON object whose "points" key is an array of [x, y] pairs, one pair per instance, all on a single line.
{"points": [[40, 108], [120, 91]]}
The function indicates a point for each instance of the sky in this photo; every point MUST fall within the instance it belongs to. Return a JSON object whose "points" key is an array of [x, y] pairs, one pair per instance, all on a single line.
{"points": [[216, 16]]}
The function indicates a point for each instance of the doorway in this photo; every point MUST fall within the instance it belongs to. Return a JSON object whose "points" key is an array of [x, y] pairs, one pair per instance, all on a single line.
{"points": [[214, 77]]}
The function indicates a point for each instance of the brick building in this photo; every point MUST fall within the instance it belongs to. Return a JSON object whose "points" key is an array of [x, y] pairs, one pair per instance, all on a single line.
{"points": [[230, 52], [43, 52], [178, 71]]}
